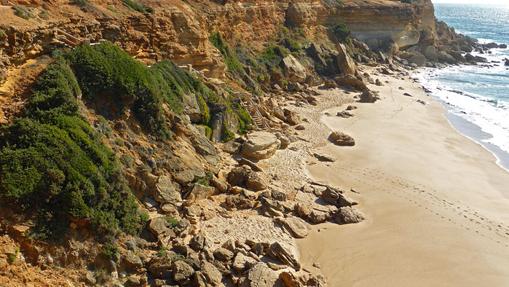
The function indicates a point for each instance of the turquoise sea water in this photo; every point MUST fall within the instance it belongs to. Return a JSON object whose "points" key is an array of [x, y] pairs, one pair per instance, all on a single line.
{"points": [[477, 97]]}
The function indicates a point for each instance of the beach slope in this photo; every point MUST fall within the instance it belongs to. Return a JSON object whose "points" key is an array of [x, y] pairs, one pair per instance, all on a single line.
{"points": [[436, 203]]}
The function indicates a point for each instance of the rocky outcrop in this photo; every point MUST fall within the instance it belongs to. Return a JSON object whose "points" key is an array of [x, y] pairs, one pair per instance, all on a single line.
{"points": [[260, 145]]}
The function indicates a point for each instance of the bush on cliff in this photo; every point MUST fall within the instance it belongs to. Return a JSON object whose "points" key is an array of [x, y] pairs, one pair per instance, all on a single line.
{"points": [[137, 6], [53, 164], [341, 32], [107, 73]]}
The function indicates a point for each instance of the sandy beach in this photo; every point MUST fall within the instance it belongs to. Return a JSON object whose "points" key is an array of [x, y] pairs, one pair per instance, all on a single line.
{"points": [[436, 203]]}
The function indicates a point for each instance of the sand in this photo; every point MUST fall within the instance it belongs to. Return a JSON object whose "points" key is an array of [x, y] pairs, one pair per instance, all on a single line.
{"points": [[437, 204]]}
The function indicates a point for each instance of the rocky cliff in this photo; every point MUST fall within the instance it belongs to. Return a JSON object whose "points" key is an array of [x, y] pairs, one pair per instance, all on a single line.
{"points": [[179, 30]]}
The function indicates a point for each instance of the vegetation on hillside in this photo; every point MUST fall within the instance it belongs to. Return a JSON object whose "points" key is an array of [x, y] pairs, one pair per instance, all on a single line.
{"points": [[264, 66], [53, 164]]}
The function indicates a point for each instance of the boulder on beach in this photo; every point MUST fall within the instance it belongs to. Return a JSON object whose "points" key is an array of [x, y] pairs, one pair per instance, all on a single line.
{"points": [[341, 139], [260, 145], [348, 215]]}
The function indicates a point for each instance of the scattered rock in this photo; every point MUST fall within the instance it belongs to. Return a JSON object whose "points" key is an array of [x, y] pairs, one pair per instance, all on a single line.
{"points": [[300, 127], [243, 262], [167, 191], [336, 197], [368, 96], [223, 254], [201, 191], [347, 215], [260, 276], [243, 176], [160, 227], [181, 271], [211, 273], [323, 157], [407, 95], [341, 139], [284, 254], [296, 226], [291, 117], [344, 114]]}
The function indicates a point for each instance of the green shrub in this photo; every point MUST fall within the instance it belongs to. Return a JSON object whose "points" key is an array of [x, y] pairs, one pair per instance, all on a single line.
{"points": [[273, 55], [230, 58], [110, 251], [245, 120], [137, 6], [341, 32], [3, 34], [107, 73], [22, 12], [53, 164]]}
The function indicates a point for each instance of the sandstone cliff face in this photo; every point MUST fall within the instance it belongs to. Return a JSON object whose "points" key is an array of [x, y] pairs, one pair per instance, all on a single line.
{"points": [[179, 30], [378, 23]]}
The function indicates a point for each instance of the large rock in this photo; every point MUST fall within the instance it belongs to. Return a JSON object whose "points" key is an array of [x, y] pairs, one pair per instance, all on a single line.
{"points": [[290, 278], [291, 117], [368, 96], [316, 214], [201, 191], [260, 145], [296, 226], [223, 254], [181, 271], [335, 197], [417, 58], [284, 254], [347, 215], [345, 62], [132, 262], [341, 139], [243, 176], [261, 276], [294, 69], [351, 81], [243, 262], [211, 273], [160, 228], [167, 191]]}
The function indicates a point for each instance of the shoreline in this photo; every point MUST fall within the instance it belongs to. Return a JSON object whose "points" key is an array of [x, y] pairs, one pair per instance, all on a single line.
{"points": [[440, 206], [468, 129], [464, 126]]}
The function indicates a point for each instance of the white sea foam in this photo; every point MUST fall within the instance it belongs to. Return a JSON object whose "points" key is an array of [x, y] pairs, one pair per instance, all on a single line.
{"points": [[491, 115]]}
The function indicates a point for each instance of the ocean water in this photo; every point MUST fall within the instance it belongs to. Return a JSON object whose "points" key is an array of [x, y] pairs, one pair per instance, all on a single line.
{"points": [[477, 97]]}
